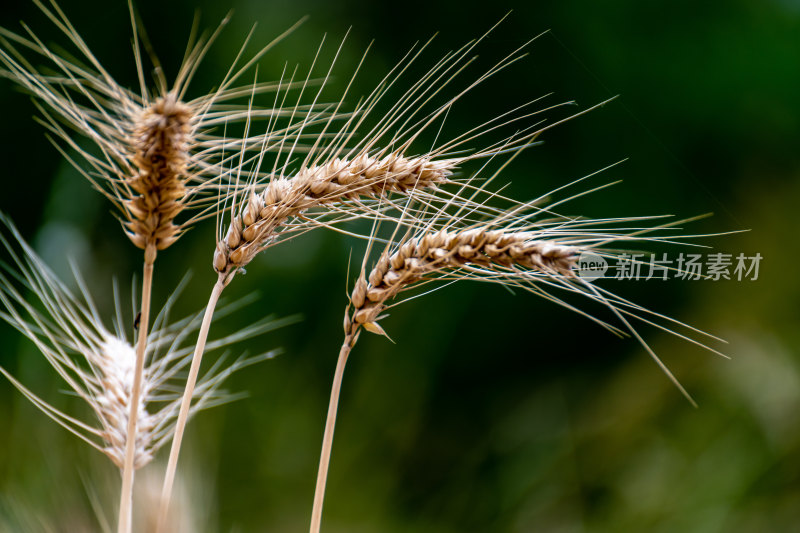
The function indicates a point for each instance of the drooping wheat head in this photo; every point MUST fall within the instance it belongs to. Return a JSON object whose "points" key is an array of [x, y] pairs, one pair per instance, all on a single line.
{"points": [[368, 168], [479, 249], [264, 215], [528, 246]]}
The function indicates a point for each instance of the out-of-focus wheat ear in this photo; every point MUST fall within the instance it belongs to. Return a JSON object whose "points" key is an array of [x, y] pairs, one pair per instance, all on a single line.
{"points": [[99, 366], [67, 326]]}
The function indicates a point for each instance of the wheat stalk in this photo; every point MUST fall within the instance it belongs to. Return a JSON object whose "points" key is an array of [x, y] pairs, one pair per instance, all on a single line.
{"points": [[160, 148]]}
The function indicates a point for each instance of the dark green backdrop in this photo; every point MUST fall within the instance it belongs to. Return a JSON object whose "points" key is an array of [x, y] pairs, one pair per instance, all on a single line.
{"points": [[493, 412]]}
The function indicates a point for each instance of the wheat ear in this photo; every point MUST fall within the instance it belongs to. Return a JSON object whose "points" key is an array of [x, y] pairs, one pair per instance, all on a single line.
{"points": [[160, 143], [410, 263], [344, 175], [283, 199], [442, 250], [98, 365], [81, 97], [510, 249]]}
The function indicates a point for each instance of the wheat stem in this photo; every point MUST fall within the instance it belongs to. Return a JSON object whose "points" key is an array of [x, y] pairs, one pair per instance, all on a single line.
{"points": [[330, 425], [183, 415], [126, 493]]}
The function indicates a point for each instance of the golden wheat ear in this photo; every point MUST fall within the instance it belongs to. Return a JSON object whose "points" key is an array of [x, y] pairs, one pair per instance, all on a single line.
{"points": [[97, 363], [157, 152], [160, 141]]}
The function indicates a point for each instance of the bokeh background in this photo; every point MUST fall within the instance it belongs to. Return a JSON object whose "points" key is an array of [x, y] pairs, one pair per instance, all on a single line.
{"points": [[493, 411]]}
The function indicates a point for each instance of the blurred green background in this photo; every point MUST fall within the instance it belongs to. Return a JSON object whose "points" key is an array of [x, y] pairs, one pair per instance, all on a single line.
{"points": [[493, 412]]}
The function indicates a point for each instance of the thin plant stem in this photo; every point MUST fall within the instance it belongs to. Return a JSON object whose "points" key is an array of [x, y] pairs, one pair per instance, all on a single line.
{"points": [[327, 440], [126, 493], [183, 415]]}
